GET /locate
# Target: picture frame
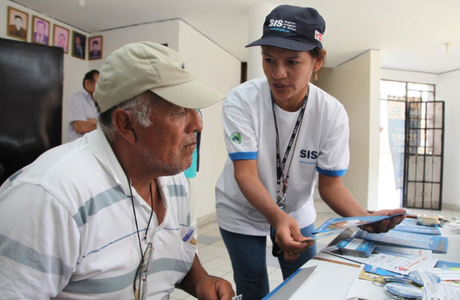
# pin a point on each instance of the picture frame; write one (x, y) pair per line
(95, 47)
(61, 37)
(78, 45)
(17, 24)
(40, 31)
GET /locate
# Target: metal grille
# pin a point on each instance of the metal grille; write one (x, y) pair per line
(423, 154)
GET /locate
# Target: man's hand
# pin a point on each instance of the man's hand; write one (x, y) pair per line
(387, 224)
(289, 238)
(212, 288)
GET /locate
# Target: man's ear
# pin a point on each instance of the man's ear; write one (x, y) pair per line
(87, 82)
(124, 124)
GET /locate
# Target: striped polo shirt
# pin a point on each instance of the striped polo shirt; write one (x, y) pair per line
(67, 228)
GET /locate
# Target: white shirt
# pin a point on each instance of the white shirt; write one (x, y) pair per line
(67, 229)
(81, 108)
(322, 146)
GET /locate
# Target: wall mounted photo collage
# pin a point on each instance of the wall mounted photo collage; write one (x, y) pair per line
(81, 46)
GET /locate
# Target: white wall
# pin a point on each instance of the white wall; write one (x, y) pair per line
(74, 68)
(355, 85)
(416, 77)
(218, 69)
(448, 90)
(166, 32)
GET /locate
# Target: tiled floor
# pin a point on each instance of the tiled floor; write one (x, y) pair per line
(214, 257)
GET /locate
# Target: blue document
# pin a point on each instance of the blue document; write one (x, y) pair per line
(437, 244)
(337, 225)
(410, 225)
(447, 264)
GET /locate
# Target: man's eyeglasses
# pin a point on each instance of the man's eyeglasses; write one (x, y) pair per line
(140, 280)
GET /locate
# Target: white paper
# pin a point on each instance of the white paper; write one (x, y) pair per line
(447, 274)
(442, 291)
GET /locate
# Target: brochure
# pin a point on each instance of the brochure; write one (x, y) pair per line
(410, 225)
(356, 247)
(442, 264)
(399, 264)
(448, 271)
(437, 244)
(337, 225)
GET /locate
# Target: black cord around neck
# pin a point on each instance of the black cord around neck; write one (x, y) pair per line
(135, 217)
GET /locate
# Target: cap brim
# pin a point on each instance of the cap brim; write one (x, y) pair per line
(283, 43)
(191, 94)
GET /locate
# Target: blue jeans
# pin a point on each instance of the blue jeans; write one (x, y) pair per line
(247, 254)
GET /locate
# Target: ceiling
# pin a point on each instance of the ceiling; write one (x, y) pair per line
(410, 34)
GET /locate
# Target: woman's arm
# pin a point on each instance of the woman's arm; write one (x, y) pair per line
(288, 235)
(339, 198)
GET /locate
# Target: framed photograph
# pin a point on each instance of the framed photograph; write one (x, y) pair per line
(17, 23)
(95, 47)
(78, 45)
(40, 31)
(61, 37)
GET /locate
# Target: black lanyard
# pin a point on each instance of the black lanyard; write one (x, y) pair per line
(280, 165)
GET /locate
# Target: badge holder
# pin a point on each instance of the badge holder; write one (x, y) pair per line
(403, 291)
(407, 287)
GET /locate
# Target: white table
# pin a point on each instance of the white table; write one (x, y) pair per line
(337, 279)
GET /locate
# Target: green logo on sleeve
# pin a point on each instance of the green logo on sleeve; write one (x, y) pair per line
(236, 137)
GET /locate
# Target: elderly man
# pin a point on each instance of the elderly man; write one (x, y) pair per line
(106, 216)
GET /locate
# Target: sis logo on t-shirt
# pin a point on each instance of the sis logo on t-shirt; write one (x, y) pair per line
(308, 154)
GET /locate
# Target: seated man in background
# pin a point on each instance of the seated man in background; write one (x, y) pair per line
(107, 216)
(82, 109)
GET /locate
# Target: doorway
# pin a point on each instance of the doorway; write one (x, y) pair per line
(394, 99)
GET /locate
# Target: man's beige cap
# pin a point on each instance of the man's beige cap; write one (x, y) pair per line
(139, 67)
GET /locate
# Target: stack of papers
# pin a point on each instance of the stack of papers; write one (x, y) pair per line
(429, 220)
(356, 247)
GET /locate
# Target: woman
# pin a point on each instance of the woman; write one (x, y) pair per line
(283, 134)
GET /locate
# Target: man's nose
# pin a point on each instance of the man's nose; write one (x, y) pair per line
(196, 120)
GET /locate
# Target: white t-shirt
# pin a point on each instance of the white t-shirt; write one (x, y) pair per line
(322, 147)
(67, 229)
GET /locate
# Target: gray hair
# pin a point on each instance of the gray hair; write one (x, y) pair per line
(139, 107)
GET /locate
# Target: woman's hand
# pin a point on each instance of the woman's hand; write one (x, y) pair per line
(387, 224)
(290, 239)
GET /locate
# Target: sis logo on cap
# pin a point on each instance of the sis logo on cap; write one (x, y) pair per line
(275, 23)
(282, 25)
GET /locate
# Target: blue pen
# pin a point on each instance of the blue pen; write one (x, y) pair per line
(188, 234)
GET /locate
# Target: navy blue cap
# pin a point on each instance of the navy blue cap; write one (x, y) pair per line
(293, 28)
